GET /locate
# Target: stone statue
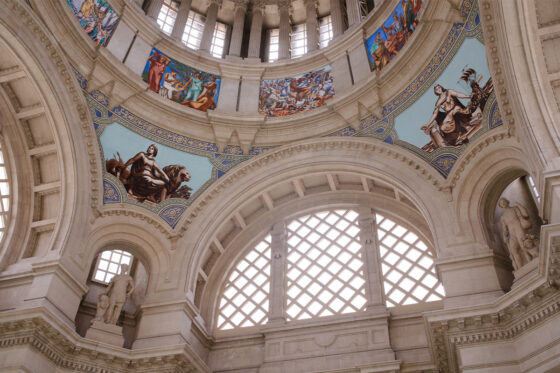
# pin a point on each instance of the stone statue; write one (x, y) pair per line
(522, 246)
(119, 289)
(102, 305)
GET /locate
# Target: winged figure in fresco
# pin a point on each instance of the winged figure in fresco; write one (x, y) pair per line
(146, 181)
(453, 123)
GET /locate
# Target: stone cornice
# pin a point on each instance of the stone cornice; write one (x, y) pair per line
(65, 349)
(530, 302)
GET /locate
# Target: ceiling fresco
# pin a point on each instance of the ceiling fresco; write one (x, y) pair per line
(448, 105)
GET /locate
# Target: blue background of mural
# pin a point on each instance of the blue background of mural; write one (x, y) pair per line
(407, 124)
(116, 138)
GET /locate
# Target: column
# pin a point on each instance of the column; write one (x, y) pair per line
(285, 29)
(210, 25)
(181, 20)
(277, 273)
(311, 25)
(336, 18)
(154, 8)
(256, 30)
(353, 12)
(368, 237)
(238, 25)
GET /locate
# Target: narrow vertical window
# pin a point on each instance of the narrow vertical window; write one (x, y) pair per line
(273, 40)
(218, 40)
(298, 40)
(325, 31)
(534, 189)
(192, 35)
(167, 16)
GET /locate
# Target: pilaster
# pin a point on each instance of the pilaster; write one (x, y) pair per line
(210, 25)
(285, 29)
(311, 25)
(238, 23)
(181, 21)
(256, 30)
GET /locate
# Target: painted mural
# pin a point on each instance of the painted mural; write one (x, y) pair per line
(181, 83)
(96, 17)
(389, 39)
(286, 96)
(151, 172)
(447, 105)
(451, 111)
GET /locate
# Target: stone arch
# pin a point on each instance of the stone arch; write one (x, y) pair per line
(48, 95)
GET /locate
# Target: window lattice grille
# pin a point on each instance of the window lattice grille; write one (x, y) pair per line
(325, 270)
(192, 34)
(245, 298)
(109, 264)
(409, 274)
(167, 16)
(4, 195)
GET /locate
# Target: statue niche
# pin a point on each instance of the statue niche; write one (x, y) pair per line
(103, 326)
(522, 245)
(111, 302)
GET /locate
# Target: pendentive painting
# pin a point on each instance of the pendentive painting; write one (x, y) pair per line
(391, 37)
(451, 112)
(286, 96)
(149, 171)
(96, 17)
(181, 83)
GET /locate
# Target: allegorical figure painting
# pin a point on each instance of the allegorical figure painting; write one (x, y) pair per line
(181, 83)
(286, 96)
(453, 122)
(389, 39)
(144, 180)
(96, 17)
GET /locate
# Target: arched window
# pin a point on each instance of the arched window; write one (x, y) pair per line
(320, 269)
(4, 195)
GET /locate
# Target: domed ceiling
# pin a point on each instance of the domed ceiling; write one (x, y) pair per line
(435, 116)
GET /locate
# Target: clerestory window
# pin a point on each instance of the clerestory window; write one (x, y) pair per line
(325, 31)
(298, 40)
(218, 40)
(192, 35)
(273, 44)
(167, 16)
